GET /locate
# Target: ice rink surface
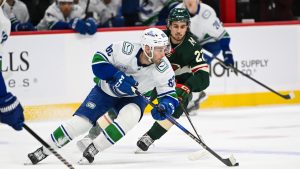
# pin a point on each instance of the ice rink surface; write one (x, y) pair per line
(259, 138)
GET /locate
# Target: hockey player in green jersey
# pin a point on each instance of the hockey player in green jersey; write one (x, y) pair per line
(191, 70)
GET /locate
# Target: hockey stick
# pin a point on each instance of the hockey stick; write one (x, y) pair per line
(86, 11)
(198, 154)
(48, 146)
(289, 96)
(190, 120)
(231, 161)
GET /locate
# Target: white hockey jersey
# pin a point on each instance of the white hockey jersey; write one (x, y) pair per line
(53, 15)
(4, 30)
(150, 8)
(125, 56)
(18, 10)
(206, 25)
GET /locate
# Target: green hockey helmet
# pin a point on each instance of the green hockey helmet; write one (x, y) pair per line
(179, 14)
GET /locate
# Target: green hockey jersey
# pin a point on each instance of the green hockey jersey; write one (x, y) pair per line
(188, 63)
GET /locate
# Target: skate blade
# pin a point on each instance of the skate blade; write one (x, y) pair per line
(83, 161)
(28, 162)
(140, 151)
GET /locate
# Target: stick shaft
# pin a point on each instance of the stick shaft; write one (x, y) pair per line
(287, 96)
(190, 120)
(47, 146)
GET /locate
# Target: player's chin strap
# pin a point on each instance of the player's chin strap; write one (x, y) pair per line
(231, 161)
(152, 54)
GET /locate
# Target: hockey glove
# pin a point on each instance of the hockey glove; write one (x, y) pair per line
(123, 82)
(26, 27)
(182, 92)
(228, 58)
(162, 110)
(79, 26)
(91, 26)
(207, 58)
(11, 112)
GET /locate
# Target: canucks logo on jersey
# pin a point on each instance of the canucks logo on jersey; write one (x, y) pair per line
(127, 48)
(162, 66)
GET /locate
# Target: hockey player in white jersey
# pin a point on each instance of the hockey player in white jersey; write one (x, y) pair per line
(64, 14)
(11, 111)
(210, 32)
(212, 36)
(120, 67)
(155, 12)
(104, 11)
(18, 14)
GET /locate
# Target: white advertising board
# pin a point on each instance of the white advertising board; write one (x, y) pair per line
(270, 54)
(56, 68)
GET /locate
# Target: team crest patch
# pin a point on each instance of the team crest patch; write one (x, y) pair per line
(127, 48)
(163, 66)
(206, 14)
(90, 105)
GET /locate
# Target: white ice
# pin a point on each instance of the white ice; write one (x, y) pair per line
(259, 138)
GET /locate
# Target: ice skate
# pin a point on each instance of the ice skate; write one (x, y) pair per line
(36, 156)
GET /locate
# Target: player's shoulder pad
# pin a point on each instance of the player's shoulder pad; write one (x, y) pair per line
(208, 11)
(163, 66)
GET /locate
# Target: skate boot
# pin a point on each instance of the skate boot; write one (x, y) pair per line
(89, 154)
(145, 142)
(193, 106)
(37, 156)
(84, 143)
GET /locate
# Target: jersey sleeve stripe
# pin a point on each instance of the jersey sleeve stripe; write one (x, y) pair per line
(222, 34)
(208, 40)
(51, 24)
(99, 58)
(103, 55)
(200, 67)
(166, 93)
(98, 62)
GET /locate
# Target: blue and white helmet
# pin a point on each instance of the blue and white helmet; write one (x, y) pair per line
(154, 37)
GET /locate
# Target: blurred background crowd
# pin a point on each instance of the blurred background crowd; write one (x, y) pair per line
(86, 15)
